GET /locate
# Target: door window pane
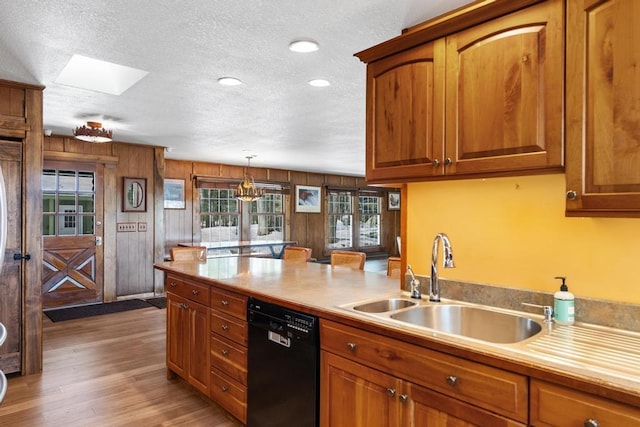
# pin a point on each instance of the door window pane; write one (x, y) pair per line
(66, 225)
(67, 181)
(49, 180)
(85, 203)
(87, 224)
(48, 225)
(85, 182)
(48, 202)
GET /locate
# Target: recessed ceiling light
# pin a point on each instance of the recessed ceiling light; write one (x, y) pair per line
(319, 83)
(303, 46)
(229, 81)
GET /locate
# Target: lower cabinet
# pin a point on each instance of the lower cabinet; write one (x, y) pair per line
(372, 380)
(553, 405)
(187, 328)
(355, 395)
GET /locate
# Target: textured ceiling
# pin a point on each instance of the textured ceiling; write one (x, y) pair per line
(186, 45)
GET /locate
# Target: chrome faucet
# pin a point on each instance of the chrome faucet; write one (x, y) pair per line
(434, 286)
(415, 284)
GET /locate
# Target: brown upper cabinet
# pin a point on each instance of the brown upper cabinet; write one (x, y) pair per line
(485, 100)
(603, 108)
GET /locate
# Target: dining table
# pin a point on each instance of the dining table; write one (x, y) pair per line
(276, 247)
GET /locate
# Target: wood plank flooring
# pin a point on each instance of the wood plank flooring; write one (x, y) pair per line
(107, 371)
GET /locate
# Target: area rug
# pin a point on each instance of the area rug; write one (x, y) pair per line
(62, 314)
(160, 302)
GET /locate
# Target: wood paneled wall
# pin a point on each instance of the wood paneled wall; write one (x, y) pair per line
(306, 228)
(129, 256)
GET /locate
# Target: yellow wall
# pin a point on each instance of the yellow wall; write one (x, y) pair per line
(512, 232)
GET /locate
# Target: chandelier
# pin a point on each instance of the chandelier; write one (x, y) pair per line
(247, 190)
(93, 132)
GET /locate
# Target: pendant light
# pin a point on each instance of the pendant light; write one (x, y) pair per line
(247, 190)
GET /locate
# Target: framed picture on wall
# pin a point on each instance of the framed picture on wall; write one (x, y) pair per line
(134, 195)
(308, 199)
(394, 201)
(174, 193)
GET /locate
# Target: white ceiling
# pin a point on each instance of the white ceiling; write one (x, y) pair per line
(186, 45)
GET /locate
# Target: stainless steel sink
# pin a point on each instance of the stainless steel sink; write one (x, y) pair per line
(384, 305)
(473, 322)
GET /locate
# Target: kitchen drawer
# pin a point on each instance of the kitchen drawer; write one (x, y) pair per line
(499, 391)
(229, 394)
(229, 303)
(229, 327)
(230, 358)
(193, 291)
(553, 405)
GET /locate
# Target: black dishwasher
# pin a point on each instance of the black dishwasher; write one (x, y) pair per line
(283, 370)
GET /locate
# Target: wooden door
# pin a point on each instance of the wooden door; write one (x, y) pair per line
(355, 395)
(11, 276)
(504, 94)
(178, 335)
(199, 339)
(72, 234)
(405, 107)
(603, 108)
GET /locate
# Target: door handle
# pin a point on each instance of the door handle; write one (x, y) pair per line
(18, 257)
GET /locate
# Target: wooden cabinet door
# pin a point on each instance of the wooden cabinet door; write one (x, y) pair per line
(198, 344)
(354, 395)
(405, 96)
(603, 108)
(178, 334)
(427, 408)
(504, 94)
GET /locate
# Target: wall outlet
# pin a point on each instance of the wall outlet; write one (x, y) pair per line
(127, 227)
(142, 226)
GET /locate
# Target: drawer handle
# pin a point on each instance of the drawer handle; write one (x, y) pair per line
(195, 292)
(224, 302)
(351, 346)
(224, 352)
(391, 391)
(452, 380)
(590, 422)
(403, 398)
(183, 306)
(172, 284)
(224, 388)
(224, 327)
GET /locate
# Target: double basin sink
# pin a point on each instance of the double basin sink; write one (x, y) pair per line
(469, 321)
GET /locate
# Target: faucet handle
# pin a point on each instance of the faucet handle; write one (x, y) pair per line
(415, 284)
(546, 309)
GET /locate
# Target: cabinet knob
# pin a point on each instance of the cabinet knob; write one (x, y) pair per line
(403, 398)
(448, 161)
(351, 346)
(224, 352)
(452, 380)
(435, 163)
(224, 388)
(391, 391)
(172, 285)
(590, 422)
(224, 327)
(195, 292)
(572, 195)
(224, 302)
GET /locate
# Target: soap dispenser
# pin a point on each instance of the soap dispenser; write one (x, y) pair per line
(563, 305)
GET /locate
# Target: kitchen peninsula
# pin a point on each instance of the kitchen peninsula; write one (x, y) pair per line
(363, 357)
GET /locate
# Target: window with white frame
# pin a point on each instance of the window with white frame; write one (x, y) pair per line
(369, 210)
(339, 219)
(219, 215)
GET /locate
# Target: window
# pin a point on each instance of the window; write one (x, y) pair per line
(343, 223)
(339, 219)
(369, 207)
(219, 215)
(267, 218)
(68, 202)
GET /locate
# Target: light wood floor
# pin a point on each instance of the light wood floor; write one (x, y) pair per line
(107, 371)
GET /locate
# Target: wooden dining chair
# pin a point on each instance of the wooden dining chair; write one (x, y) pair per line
(297, 253)
(348, 259)
(394, 266)
(188, 253)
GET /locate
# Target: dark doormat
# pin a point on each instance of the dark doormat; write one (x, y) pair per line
(79, 312)
(160, 302)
